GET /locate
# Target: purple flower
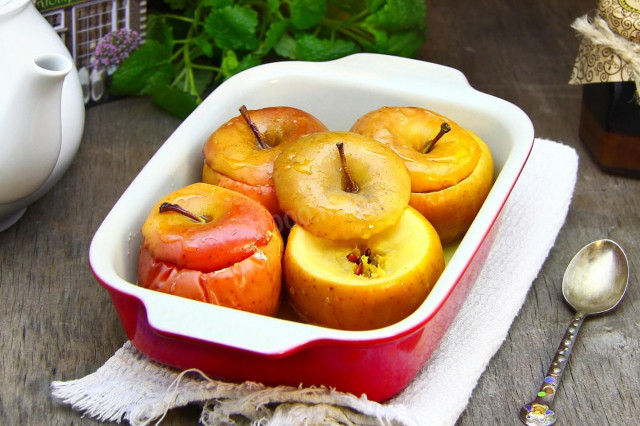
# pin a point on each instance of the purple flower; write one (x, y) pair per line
(114, 48)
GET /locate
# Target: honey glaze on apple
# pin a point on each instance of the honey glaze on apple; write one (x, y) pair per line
(451, 168)
(312, 186)
(214, 245)
(239, 155)
(360, 254)
(347, 261)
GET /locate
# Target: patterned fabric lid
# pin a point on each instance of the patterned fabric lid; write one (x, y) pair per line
(610, 48)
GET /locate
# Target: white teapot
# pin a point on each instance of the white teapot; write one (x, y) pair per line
(41, 108)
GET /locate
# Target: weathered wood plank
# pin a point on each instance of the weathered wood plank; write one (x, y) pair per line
(58, 324)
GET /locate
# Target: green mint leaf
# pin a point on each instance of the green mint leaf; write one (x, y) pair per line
(224, 37)
(274, 6)
(286, 47)
(231, 65)
(248, 61)
(406, 43)
(398, 15)
(178, 29)
(399, 43)
(149, 61)
(217, 4)
(154, 81)
(307, 14)
(375, 5)
(202, 78)
(312, 48)
(273, 35)
(380, 42)
(337, 8)
(205, 46)
(233, 27)
(174, 101)
(158, 30)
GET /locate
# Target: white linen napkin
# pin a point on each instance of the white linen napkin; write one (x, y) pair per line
(131, 387)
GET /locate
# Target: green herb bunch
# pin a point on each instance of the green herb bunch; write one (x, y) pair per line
(192, 46)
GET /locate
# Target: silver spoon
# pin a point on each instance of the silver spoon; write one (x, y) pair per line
(595, 282)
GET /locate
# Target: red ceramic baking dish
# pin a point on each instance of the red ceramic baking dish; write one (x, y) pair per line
(237, 346)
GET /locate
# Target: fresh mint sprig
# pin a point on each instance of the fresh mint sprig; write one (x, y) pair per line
(192, 46)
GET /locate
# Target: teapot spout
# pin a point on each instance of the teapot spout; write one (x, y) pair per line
(32, 126)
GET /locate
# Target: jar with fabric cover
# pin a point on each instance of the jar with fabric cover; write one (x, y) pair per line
(608, 67)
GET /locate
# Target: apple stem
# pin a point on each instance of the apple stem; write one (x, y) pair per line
(444, 128)
(254, 129)
(351, 186)
(170, 207)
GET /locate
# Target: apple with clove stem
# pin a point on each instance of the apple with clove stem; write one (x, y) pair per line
(215, 245)
(363, 284)
(451, 168)
(240, 154)
(341, 185)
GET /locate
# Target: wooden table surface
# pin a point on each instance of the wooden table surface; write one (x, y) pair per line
(59, 324)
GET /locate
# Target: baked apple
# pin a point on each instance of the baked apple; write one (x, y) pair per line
(239, 155)
(363, 284)
(451, 168)
(341, 185)
(211, 244)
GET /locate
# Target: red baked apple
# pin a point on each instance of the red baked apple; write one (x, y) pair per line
(240, 154)
(211, 244)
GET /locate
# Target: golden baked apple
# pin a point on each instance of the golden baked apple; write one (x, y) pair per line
(451, 168)
(211, 244)
(239, 155)
(363, 284)
(341, 185)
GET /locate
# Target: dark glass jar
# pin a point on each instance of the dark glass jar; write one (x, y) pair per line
(610, 126)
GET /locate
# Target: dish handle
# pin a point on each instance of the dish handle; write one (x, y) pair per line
(402, 69)
(219, 326)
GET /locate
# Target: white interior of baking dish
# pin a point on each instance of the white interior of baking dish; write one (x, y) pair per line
(337, 93)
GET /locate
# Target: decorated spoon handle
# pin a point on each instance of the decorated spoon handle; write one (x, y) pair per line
(539, 411)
